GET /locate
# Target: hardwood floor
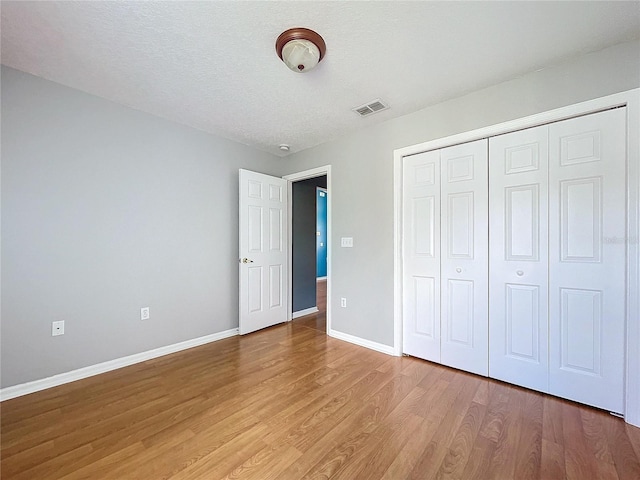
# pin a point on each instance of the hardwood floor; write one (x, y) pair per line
(291, 403)
(317, 320)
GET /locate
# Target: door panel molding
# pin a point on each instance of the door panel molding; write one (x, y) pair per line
(587, 279)
(422, 246)
(464, 272)
(519, 262)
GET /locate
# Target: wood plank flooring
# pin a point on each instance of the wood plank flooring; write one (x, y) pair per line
(291, 403)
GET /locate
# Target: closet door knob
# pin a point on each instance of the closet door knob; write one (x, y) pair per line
(520, 273)
(459, 270)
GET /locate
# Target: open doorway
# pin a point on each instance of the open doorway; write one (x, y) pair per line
(310, 249)
(308, 245)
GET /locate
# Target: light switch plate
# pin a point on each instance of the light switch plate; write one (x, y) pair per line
(346, 242)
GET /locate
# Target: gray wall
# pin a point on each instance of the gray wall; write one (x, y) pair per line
(105, 210)
(362, 172)
(304, 242)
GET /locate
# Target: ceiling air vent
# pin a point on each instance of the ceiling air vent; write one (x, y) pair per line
(370, 108)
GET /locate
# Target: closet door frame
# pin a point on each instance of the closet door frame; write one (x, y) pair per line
(629, 99)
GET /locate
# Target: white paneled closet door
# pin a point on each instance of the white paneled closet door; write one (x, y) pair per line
(464, 257)
(518, 253)
(587, 214)
(445, 260)
(557, 258)
(421, 255)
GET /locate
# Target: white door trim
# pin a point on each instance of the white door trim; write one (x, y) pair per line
(630, 99)
(296, 177)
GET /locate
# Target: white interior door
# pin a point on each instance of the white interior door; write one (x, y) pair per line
(464, 259)
(518, 258)
(263, 251)
(421, 255)
(587, 264)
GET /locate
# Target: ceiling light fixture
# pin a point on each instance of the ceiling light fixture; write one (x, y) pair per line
(300, 49)
(284, 147)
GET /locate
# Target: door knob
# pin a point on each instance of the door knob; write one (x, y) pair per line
(459, 270)
(520, 273)
(246, 260)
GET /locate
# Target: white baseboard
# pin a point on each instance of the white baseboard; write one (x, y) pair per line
(302, 313)
(67, 377)
(378, 347)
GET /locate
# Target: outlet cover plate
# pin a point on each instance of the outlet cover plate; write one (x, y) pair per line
(144, 313)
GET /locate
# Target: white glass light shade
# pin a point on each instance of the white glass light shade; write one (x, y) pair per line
(300, 55)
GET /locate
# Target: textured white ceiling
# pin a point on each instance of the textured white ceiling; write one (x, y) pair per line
(212, 65)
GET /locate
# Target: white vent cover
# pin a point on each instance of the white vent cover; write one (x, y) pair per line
(371, 107)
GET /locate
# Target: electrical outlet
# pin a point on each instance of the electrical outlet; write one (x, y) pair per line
(57, 328)
(144, 313)
(343, 302)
